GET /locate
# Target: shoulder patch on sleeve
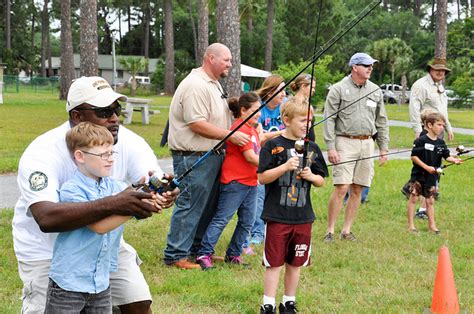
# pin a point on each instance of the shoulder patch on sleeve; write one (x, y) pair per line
(277, 150)
(38, 181)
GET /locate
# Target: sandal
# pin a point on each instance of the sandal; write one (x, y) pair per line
(414, 231)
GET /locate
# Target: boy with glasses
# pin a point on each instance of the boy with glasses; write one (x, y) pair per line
(83, 258)
(44, 167)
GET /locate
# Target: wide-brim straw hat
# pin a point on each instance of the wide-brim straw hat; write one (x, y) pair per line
(438, 64)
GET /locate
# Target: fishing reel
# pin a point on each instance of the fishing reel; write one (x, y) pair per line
(439, 171)
(158, 184)
(299, 148)
(461, 150)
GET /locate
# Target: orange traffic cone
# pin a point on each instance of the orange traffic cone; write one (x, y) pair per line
(445, 299)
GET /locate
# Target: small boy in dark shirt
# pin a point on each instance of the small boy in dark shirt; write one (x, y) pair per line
(427, 154)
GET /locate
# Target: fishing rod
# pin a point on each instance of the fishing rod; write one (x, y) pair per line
(160, 184)
(308, 114)
(369, 157)
(461, 151)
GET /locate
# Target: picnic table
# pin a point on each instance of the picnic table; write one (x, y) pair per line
(137, 104)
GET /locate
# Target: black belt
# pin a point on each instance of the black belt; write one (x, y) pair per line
(193, 153)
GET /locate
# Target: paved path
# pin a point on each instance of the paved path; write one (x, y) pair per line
(9, 191)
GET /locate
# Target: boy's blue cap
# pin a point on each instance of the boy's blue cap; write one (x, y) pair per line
(361, 58)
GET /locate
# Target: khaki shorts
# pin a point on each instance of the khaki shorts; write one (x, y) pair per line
(358, 172)
(127, 284)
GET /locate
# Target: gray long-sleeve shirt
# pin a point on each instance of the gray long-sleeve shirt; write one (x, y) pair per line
(425, 95)
(365, 117)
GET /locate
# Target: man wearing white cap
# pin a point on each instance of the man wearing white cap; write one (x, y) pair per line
(46, 164)
(355, 113)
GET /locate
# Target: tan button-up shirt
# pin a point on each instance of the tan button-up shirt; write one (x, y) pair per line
(364, 117)
(425, 94)
(197, 98)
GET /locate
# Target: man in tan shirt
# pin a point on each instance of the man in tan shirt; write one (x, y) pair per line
(428, 92)
(199, 118)
(349, 136)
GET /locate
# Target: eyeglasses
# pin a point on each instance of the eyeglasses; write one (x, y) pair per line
(365, 65)
(104, 113)
(103, 156)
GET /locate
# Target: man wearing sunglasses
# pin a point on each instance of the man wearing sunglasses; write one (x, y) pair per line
(355, 112)
(46, 164)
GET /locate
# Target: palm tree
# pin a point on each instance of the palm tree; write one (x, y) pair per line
(133, 65)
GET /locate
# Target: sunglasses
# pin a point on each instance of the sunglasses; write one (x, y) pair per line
(365, 65)
(104, 113)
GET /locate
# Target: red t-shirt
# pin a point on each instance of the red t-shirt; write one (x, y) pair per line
(235, 166)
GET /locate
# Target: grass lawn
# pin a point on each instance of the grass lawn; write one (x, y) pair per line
(387, 270)
(26, 115)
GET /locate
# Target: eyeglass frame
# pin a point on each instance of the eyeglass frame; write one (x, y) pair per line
(103, 156)
(109, 111)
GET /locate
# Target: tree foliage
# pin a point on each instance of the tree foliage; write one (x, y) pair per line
(293, 33)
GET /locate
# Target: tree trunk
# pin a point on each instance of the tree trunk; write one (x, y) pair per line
(67, 73)
(441, 28)
(417, 8)
(44, 36)
(193, 27)
(472, 8)
(459, 9)
(32, 41)
(385, 5)
(8, 32)
(228, 33)
(88, 43)
(146, 40)
(269, 38)
(169, 48)
(432, 18)
(203, 30)
(48, 56)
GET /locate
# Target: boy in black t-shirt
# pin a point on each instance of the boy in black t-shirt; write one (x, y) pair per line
(428, 151)
(287, 211)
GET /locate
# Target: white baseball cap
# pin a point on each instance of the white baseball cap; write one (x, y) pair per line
(93, 90)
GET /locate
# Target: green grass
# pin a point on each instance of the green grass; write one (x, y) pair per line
(26, 115)
(388, 270)
(459, 117)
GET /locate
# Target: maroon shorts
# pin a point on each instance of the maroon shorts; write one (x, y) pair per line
(285, 243)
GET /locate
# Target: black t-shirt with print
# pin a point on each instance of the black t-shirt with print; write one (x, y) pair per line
(431, 152)
(287, 199)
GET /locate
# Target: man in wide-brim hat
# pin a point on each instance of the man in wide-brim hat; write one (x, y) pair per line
(429, 93)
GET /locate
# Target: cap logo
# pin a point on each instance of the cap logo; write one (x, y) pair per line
(101, 84)
(38, 181)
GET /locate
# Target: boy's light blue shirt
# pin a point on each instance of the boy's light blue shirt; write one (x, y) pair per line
(83, 259)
